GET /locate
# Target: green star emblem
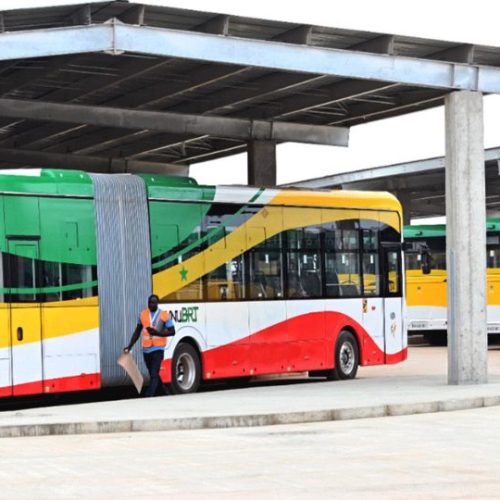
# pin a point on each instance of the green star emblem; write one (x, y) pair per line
(183, 272)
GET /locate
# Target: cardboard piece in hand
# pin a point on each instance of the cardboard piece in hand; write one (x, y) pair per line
(126, 361)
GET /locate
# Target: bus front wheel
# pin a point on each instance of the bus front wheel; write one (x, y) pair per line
(346, 357)
(186, 369)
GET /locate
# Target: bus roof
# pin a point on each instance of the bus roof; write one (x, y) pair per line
(437, 230)
(79, 183)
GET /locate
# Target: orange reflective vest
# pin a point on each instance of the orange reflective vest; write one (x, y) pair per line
(158, 319)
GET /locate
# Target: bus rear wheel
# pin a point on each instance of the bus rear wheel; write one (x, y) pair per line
(186, 369)
(346, 357)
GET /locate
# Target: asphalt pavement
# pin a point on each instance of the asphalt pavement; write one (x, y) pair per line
(416, 386)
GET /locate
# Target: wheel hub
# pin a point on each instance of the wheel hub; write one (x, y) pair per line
(346, 357)
(185, 371)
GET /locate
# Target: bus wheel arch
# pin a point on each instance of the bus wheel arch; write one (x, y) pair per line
(186, 367)
(346, 354)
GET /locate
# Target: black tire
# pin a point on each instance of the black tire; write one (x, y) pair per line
(346, 357)
(186, 370)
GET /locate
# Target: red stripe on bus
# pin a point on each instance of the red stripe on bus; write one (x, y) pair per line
(82, 382)
(397, 357)
(288, 346)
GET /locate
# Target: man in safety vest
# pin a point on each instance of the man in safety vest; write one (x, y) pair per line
(154, 326)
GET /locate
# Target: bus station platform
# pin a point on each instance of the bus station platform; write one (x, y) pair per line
(416, 386)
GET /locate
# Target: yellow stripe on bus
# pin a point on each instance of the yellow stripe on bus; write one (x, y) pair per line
(50, 320)
(269, 221)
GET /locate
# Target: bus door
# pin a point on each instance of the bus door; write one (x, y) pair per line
(25, 316)
(373, 297)
(393, 303)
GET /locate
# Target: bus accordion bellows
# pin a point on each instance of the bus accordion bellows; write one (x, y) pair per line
(259, 281)
(427, 291)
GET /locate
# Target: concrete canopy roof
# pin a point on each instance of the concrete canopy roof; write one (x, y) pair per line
(126, 86)
(419, 184)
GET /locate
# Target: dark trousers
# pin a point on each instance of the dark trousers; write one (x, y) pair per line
(153, 362)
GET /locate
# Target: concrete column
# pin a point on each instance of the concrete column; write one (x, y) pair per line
(262, 163)
(405, 199)
(466, 239)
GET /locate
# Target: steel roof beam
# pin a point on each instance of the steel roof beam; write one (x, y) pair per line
(290, 57)
(377, 173)
(177, 123)
(57, 41)
(117, 38)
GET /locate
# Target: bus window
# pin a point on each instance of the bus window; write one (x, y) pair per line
(341, 260)
(224, 229)
(332, 285)
(346, 267)
(51, 280)
(493, 251)
(494, 257)
(304, 263)
(76, 274)
(413, 261)
(371, 274)
(226, 282)
(266, 280)
(371, 267)
(21, 275)
(393, 273)
(437, 247)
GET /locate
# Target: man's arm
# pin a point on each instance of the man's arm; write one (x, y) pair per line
(135, 337)
(168, 329)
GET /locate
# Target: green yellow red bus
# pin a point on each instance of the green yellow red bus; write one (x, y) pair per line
(427, 293)
(259, 281)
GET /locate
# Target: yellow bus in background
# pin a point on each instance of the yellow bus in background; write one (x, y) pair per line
(427, 292)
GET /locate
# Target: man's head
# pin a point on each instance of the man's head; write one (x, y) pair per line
(153, 302)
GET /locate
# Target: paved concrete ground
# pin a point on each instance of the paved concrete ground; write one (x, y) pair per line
(417, 386)
(438, 455)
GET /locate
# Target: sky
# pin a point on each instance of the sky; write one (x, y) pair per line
(411, 137)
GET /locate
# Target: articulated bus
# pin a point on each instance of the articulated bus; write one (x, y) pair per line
(427, 293)
(259, 281)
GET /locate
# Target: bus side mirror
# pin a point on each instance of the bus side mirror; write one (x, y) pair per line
(426, 262)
